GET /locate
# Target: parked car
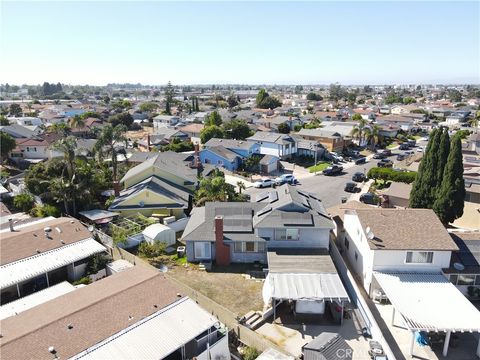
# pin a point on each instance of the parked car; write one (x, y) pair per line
(360, 160)
(358, 177)
(285, 178)
(425, 138)
(420, 149)
(404, 146)
(385, 163)
(263, 183)
(333, 170)
(387, 152)
(401, 157)
(351, 187)
(369, 198)
(337, 157)
(379, 156)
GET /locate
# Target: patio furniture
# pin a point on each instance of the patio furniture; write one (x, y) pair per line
(379, 296)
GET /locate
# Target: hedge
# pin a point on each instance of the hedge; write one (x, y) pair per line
(388, 174)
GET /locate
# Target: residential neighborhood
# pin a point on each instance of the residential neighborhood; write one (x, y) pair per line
(182, 204)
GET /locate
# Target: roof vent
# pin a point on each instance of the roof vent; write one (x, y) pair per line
(58, 230)
(179, 295)
(38, 251)
(72, 222)
(47, 229)
(370, 234)
(130, 317)
(63, 242)
(69, 326)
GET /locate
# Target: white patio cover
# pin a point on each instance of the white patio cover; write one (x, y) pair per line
(303, 287)
(429, 301)
(28, 268)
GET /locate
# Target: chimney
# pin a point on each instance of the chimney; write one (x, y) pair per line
(116, 188)
(10, 223)
(148, 142)
(222, 251)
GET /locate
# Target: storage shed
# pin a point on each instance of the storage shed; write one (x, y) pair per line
(159, 232)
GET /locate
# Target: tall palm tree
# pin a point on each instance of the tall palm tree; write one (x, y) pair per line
(77, 122)
(241, 186)
(107, 142)
(372, 135)
(358, 130)
(65, 189)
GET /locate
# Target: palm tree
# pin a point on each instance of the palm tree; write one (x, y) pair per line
(358, 130)
(77, 122)
(67, 146)
(241, 186)
(372, 135)
(109, 138)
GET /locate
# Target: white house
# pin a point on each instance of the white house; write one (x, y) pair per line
(25, 121)
(276, 144)
(165, 120)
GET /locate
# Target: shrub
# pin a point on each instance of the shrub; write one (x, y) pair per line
(45, 210)
(83, 281)
(388, 174)
(24, 202)
(250, 353)
(148, 250)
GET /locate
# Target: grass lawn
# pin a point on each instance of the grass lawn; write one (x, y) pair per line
(417, 137)
(392, 145)
(229, 289)
(319, 167)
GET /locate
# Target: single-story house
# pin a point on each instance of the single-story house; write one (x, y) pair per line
(398, 194)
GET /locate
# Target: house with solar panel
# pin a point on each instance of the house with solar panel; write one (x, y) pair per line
(43, 253)
(286, 229)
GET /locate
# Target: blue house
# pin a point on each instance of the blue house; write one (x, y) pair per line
(228, 153)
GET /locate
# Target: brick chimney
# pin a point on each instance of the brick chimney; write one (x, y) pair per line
(222, 251)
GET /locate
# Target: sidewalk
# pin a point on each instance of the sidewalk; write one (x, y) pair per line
(363, 190)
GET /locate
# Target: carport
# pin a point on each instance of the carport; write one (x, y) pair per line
(302, 275)
(429, 302)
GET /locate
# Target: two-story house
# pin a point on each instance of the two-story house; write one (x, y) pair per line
(228, 153)
(280, 145)
(165, 120)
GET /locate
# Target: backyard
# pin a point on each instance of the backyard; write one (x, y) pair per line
(228, 288)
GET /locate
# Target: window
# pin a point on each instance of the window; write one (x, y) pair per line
(261, 248)
(292, 234)
(280, 234)
(419, 257)
(347, 244)
(28, 149)
(465, 279)
(202, 250)
(249, 246)
(238, 246)
(453, 279)
(356, 256)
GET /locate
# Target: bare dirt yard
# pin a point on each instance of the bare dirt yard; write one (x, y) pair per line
(228, 287)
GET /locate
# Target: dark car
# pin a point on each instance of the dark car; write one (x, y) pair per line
(351, 187)
(412, 142)
(333, 170)
(379, 156)
(369, 198)
(385, 163)
(387, 152)
(404, 146)
(360, 160)
(358, 177)
(401, 157)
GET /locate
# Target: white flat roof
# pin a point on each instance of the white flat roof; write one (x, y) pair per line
(155, 336)
(428, 301)
(28, 268)
(30, 301)
(304, 286)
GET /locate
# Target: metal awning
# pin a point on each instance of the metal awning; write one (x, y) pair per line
(28, 268)
(429, 302)
(98, 215)
(304, 287)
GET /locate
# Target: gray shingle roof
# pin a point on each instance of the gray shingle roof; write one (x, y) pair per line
(327, 346)
(17, 130)
(223, 152)
(271, 137)
(230, 143)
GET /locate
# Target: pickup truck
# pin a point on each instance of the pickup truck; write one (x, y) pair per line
(333, 170)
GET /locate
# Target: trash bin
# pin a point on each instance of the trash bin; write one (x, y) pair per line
(344, 199)
(181, 251)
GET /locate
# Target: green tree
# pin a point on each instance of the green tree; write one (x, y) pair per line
(107, 143)
(15, 110)
(409, 100)
(209, 132)
(7, 144)
(241, 186)
(455, 95)
(283, 128)
(24, 202)
(77, 122)
(44, 211)
(232, 101)
(214, 189)
(148, 106)
(372, 135)
(311, 96)
(4, 121)
(358, 130)
(237, 129)
(356, 117)
(426, 184)
(213, 119)
(443, 151)
(123, 118)
(265, 101)
(451, 196)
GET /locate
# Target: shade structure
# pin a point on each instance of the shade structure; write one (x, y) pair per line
(428, 301)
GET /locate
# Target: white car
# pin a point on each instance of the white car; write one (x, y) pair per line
(420, 149)
(263, 183)
(285, 178)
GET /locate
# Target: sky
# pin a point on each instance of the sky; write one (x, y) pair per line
(230, 42)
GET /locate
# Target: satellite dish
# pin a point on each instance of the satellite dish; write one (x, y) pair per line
(370, 234)
(163, 268)
(458, 266)
(90, 228)
(141, 203)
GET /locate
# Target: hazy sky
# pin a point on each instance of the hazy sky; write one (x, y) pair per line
(232, 42)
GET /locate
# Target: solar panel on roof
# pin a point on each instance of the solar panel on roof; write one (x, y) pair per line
(264, 211)
(294, 218)
(237, 225)
(272, 196)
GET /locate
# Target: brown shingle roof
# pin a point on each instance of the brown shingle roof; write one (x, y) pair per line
(24, 242)
(337, 211)
(95, 312)
(405, 229)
